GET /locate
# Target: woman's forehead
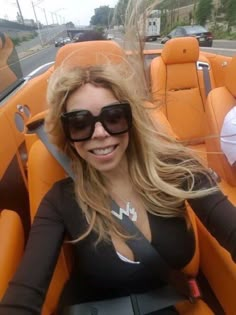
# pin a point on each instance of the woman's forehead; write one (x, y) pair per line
(90, 97)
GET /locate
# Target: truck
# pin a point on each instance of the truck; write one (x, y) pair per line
(153, 26)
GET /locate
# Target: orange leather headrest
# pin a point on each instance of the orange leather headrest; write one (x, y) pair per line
(180, 50)
(230, 77)
(89, 53)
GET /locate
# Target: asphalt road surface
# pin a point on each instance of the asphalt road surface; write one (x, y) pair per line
(227, 48)
(32, 62)
(46, 55)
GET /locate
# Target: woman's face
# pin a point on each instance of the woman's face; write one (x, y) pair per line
(103, 151)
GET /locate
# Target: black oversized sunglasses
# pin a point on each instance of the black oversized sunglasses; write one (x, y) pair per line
(79, 125)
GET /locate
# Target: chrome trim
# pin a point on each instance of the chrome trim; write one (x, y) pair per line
(39, 69)
(201, 64)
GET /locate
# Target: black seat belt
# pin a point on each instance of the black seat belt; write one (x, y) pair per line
(205, 67)
(180, 287)
(150, 257)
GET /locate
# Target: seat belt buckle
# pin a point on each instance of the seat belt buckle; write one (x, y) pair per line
(194, 290)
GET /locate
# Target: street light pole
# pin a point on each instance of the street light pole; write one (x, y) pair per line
(45, 16)
(19, 9)
(37, 22)
(52, 18)
(56, 14)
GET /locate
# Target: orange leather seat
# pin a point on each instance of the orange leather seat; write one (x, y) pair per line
(11, 246)
(219, 103)
(178, 87)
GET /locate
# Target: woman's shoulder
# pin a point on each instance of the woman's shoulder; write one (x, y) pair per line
(60, 202)
(61, 186)
(63, 183)
(60, 193)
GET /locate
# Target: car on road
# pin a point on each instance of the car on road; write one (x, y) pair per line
(204, 37)
(61, 41)
(88, 35)
(66, 40)
(110, 36)
(76, 38)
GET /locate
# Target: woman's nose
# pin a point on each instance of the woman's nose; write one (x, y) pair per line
(99, 131)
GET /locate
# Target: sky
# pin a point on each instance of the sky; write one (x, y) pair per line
(77, 11)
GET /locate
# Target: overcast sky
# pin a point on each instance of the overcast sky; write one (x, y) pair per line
(77, 11)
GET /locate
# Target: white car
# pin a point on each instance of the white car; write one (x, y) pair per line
(110, 36)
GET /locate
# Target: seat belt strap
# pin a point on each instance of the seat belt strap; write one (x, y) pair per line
(141, 247)
(205, 67)
(148, 255)
(38, 128)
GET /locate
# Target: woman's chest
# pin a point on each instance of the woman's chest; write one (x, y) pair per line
(170, 237)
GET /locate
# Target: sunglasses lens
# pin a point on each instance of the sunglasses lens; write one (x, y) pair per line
(116, 119)
(79, 127)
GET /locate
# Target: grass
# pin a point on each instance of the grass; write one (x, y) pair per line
(17, 40)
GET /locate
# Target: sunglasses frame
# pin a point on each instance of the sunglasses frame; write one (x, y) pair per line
(65, 118)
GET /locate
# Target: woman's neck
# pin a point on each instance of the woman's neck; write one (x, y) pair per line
(119, 177)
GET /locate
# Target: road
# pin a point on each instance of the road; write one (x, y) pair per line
(32, 62)
(45, 36)
(46, 55)
(221, 47)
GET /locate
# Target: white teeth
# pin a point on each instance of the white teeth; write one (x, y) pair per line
(103, 151)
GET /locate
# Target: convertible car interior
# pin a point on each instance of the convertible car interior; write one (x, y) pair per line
(192, 90)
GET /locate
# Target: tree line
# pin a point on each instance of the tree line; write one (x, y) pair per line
(203, 11)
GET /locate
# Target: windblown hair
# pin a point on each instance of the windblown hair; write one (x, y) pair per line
(162, 171)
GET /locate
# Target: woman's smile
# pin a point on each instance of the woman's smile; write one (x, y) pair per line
(104, 151)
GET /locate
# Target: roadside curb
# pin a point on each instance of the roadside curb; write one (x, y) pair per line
(31, 51)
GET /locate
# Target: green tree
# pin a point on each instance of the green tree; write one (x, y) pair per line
(103, 16)
(230, 11)
(203, 12)
(164, 24)
(70, 25)
(120, 10)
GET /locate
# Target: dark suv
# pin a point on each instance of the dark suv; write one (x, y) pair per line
(203, 36)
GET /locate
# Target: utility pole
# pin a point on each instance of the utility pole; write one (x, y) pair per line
(19, 9)
(37, 22)
(52, 18)
(45, 16)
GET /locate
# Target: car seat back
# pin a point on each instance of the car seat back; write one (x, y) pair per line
(89, 53)
(178, 87)
(11, 246)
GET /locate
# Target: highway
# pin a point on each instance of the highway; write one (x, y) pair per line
(221, 47)
(32, 62)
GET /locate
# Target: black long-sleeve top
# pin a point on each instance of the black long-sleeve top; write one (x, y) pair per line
(99, 272)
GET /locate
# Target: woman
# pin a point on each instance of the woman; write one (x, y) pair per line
(96, 116)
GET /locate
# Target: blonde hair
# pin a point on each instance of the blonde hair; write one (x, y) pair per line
(161, 170)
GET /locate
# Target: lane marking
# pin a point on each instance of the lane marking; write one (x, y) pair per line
(34, 53)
